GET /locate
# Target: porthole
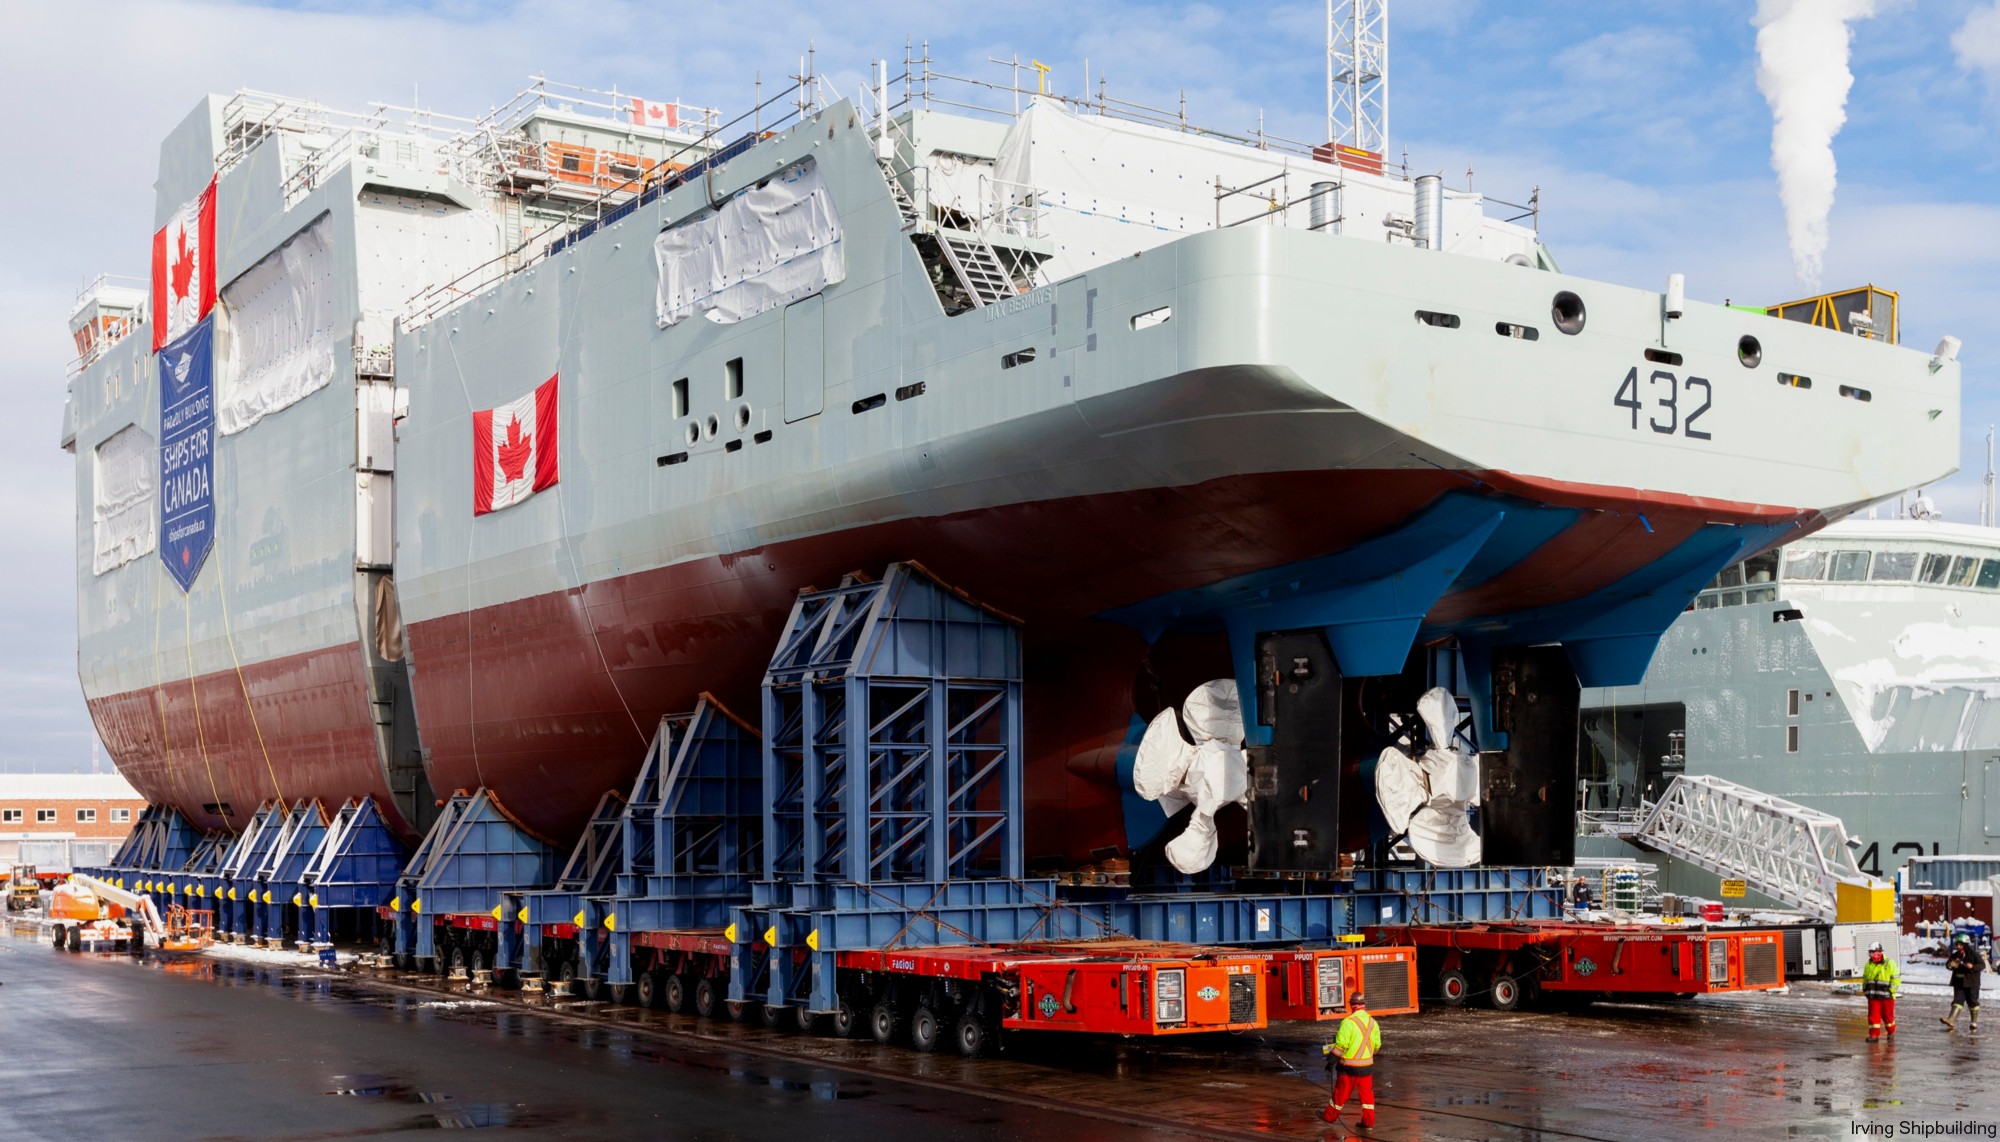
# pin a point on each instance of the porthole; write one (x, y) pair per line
(714, 427)
(693, 433)
(1750, 351)
(1567, 313)
(742, 417)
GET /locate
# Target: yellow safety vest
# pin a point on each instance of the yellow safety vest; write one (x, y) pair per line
(1358, 1039)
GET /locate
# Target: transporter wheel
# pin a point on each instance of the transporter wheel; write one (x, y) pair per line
(596, 990)
(970, 1035)
(846, 1022)
(926, 1029)
(1506, 993)
(739, 1009)
(648, 987)
(479, 960)
(62, 938)
(707, 997)
(455, 963)
(568, 977)
(620, 993)
(772, 1014)
(76, 938)
(883, 1022)
(673, 992)
(1453, 988)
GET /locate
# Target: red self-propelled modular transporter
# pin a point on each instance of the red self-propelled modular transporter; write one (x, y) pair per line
(1507, 965)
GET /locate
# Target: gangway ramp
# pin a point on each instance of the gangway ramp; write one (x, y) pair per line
(1797, 856)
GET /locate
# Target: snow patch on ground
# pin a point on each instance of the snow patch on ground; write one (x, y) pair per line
(269, 957)
(456, 1004)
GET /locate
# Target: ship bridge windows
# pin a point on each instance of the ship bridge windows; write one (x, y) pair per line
(1894, 566)
(1805, 566)
(1927, 567)
(1989, 574)
(1752, 581)
(1850, 566)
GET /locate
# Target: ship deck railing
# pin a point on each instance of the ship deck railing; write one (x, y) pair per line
(803, 97)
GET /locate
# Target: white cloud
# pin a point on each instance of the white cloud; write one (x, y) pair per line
(1977, 41)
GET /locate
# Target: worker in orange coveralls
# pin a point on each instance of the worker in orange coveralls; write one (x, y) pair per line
(1352, 1054)
(1880, 984)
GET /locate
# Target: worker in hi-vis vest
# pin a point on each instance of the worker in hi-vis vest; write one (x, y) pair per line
(1880, 983)
(1352, 1055)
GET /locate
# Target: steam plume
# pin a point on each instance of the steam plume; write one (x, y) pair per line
(1802, 71)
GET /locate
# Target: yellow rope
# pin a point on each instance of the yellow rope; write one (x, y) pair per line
(229, 637)
(200, 738)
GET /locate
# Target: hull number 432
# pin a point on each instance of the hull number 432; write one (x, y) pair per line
(1667, 402)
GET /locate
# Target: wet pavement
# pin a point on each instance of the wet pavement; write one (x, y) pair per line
(226, 1046)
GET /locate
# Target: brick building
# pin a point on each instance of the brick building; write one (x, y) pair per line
(93, 810)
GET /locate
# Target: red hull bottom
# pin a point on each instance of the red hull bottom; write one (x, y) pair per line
(552, 700)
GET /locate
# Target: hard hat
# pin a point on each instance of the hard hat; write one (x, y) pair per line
(1961, 938)
(1357, 1000)
(1875, 947)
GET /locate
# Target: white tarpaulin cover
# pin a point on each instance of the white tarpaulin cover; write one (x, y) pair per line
(1210, 773)
(768, 246)
(122, 509)
(278, 332)
(1430, 797)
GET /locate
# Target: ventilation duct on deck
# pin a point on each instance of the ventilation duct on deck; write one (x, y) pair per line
(1430, 212)
(1326, 207)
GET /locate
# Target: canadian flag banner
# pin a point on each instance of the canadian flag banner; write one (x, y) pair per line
(184, 269)
(655, 114)
(514, 450)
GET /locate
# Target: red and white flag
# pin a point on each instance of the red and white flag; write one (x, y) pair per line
(184, 269)
(514, 450)
(655, 114)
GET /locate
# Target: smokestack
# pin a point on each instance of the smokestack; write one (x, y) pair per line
(1802, 48)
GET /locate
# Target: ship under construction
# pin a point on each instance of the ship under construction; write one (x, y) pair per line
(530, 430)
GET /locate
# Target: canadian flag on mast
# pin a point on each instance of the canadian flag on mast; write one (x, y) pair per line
(514, 450)
(184, 269)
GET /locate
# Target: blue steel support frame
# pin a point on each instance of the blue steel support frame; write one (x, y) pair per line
(161, 840)
(894, 715)
(283, 871)
(413, 938)
(590, 872)
(234, 884)
(705, 830)
(481, 853)
(354, 867)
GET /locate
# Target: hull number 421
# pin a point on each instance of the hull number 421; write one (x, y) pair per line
(1667, 401)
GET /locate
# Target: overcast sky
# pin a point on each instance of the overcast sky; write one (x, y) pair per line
(1641, 123)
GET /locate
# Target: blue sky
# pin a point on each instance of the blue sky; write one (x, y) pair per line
(1641, 123)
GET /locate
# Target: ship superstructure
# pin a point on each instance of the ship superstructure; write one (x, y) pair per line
(1189, 405)
(1856, 672)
